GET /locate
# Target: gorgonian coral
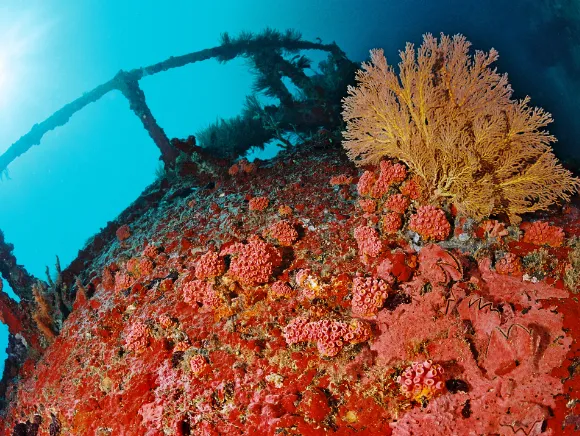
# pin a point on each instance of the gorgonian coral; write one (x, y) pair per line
(450, 118)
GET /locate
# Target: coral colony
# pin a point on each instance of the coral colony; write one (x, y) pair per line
(428, 288)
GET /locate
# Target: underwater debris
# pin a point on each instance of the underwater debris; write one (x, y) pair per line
(196, 325)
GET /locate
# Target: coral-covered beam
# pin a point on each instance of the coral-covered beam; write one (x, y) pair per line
(16, 275)
(225, 52)
(10, 313)
(129, 86)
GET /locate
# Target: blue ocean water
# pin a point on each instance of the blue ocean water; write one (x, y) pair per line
(85, 173)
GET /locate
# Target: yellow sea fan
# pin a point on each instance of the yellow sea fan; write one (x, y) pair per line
(450, 118)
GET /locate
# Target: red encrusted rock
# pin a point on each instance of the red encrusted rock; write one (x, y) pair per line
(430, 223)
(541, 233)
(253, 263)
(342, 179)
(283, 231)
(139, 267)
(314, 405)
(439, 266)
(132, 363)
(368, 296)
(368, 240)
(259, 204)
(123, 233)
(209, 265)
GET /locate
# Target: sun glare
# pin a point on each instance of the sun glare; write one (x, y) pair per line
(20, 42)
(4, 79)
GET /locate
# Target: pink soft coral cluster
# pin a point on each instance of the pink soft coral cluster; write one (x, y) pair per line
(430, 223)
(123, 233)
(421, 380)
(330, 336)
(137, 338)
(541, 233)
(123, 281)
(200, 292)
(283, 231)
(412, 189)
(367, 205)
(397, 203)
(368, 296)
(368, 240)
(258, 204)
(252, 263)
(392, 223)
(242, 167)
(388, 175)
(281, 289)
(139, 267)
(166, 321)
(209, 265)
(510, 264)
(365, 183)
(150, 251)
(198, 365)
(376, 187)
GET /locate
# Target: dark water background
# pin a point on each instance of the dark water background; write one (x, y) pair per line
(84, 174)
